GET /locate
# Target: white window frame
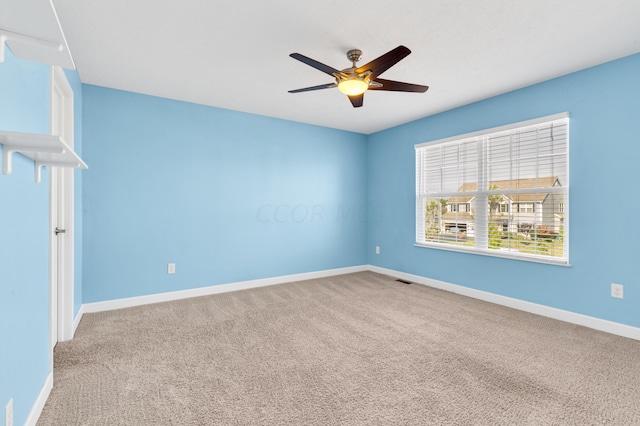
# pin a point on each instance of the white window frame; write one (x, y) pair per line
(483, 193)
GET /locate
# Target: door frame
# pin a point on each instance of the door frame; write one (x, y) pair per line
(61, 203)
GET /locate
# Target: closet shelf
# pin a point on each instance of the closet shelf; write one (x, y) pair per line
(8, 36)
(44, 150)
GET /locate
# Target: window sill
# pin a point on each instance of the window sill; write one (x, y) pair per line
(496, 253)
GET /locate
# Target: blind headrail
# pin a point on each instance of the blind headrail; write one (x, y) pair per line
(495, 130)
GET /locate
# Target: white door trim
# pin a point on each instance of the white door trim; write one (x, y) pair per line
(61, 250)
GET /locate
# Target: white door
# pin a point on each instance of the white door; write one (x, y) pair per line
(61, 215)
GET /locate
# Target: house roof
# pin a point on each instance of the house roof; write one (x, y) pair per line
(457, 216)
(544, 182)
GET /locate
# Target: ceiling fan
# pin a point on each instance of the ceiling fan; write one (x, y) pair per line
(354, 81)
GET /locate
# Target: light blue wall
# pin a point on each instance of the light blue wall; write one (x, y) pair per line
(227, 196)
(604, 103)
(24, 243)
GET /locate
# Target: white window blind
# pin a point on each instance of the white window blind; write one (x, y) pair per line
(515, 180)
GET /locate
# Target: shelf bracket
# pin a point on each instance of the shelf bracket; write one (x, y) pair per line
(40, 164)
(38, 172)
(6, 36)
(7, 159)
(7, 154)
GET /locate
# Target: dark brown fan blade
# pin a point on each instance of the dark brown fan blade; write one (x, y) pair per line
(320, 87)
(315, 64)
(398, 86)
(357, 100)
(384, 62)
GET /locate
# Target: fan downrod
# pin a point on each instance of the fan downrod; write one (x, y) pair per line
(354, 56)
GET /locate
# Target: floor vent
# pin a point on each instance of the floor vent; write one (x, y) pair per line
(403, 281)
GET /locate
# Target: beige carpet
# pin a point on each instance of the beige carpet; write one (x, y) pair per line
(354, 349)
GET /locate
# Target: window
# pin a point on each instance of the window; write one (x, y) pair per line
(462, 207)
(525, 207)
(479, 175)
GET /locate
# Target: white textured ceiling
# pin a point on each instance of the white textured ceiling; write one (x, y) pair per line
(234, 54)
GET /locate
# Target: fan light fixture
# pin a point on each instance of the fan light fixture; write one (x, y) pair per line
(353, 86)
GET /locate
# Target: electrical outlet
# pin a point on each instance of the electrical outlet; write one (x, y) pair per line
(171, 268)
(617, 291)
(8, 413)
(377, 250)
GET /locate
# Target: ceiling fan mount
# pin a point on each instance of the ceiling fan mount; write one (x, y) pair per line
(354, 55)
(356, 80)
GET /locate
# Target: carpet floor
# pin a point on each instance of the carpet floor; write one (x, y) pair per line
(356, 349)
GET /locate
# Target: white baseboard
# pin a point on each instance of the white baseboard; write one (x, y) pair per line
(38, 406)
(216, 289)
(534, 308)
(77, 319)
